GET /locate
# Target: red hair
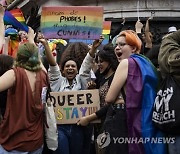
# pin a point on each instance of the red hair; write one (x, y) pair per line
(132, 39)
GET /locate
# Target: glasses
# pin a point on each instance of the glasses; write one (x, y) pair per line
(120, 44)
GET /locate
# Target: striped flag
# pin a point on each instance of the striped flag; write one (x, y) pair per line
(16, 19)
(17, 13)
(141, 86)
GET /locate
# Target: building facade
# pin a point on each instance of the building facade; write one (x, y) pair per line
(165, 13)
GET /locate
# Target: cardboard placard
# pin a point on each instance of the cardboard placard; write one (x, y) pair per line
(72, 22)
(71, 105)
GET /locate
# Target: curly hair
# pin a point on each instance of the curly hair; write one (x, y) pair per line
(75, 51)
(107, 54)
(27, 57)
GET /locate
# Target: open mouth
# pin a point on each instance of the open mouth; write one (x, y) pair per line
(100, 69)
(119, 54)
(70, 73)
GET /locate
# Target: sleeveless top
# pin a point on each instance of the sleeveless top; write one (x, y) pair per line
(22, 126)
(103, 88)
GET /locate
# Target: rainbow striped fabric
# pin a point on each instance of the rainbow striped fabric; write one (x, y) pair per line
(16, 19)
(72, 22)
(141, 89)
(17, 13)
(106, 27)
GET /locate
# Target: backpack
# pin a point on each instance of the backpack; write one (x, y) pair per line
(166, 110)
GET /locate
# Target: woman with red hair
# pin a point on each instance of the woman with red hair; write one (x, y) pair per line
(129, 128)
(136, 77)
(129, 41)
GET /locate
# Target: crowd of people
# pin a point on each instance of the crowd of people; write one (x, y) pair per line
(125, 71)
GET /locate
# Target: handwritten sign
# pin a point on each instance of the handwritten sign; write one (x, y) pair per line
(72, 105)
(105, 41)
(106, 32)
(70, 22)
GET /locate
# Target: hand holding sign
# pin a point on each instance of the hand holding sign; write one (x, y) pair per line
(95, 45)
(98, 42)
(83, 121)
(73, 105)
(91, 85)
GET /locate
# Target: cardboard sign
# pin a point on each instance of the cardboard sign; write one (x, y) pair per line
(68, 22)
(72, 105)
(106, 31)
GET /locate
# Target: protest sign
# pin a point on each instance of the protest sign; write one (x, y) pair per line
(72, 105)
(72, 22)
(106, 32)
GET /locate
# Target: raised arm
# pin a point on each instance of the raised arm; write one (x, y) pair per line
(6, 45)
(95, 45)
(86, 66)
(2, 28)
(148, 38)
(7, 80)
(54, 72)
(138, 26)
(48, 52)
(30, 36)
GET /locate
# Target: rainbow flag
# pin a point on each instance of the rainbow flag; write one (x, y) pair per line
(13, 48)
(9, 18)
(141, 89)
(17, 13)
(106, 27)
(72, 22)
